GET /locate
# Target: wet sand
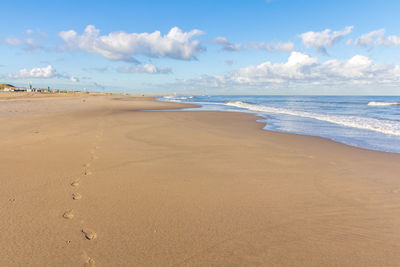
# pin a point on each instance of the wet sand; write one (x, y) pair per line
(96, 180)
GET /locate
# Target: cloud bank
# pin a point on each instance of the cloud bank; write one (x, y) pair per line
(302, 69)
(123, 46)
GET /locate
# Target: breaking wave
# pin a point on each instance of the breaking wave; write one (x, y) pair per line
(383, 103)
(382, 126)
(174, 98)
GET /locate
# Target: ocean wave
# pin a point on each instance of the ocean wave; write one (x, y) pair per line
(174, 98)
(383, 103)
(382, 126)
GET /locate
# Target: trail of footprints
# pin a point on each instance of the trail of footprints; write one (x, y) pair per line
(87, 233)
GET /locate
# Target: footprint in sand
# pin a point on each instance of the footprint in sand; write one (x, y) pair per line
(90, 263)
(89, 233)
(68, 214)
(75, 183)
(87, 172)
(76, 196)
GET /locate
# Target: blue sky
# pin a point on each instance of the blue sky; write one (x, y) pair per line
(214, 47)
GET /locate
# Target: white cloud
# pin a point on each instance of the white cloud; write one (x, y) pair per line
(376, 38)
(146, 68)
(301, 69)
(320, 40)
(32, 41)
(288, 46)
(296, 68)
(41, 73)
(123, 46)
(13, 41)
(392, 40)
(45, 72)
(73, 79)
(96, 69)
(369, 38)
(28, 44)
(36, 32)
(226, 45)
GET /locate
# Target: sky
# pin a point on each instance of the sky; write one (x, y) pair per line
(313, 47)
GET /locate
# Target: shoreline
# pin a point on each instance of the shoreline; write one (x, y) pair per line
(364, 137)
(187, 188)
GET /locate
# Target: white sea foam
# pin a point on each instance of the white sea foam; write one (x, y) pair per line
(174, 98)
(382, 126)
(383, 103)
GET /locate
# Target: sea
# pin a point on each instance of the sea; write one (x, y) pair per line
(371, 122)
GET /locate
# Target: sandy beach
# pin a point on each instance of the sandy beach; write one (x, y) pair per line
(113, 180)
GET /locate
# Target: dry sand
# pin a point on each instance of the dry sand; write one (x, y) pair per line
(159, 188)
